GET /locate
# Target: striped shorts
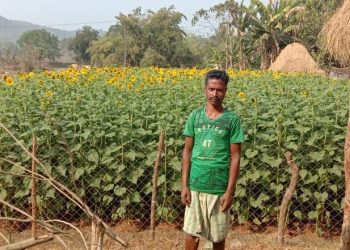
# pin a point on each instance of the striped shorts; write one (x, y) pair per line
(204, 218)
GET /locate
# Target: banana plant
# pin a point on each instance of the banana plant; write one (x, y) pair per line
(271, 26)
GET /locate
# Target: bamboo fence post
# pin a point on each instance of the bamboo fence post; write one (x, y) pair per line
(287, 197)
(345, 234)
(154, 183)
(34, 186)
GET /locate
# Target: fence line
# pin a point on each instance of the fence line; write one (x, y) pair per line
(124, 188)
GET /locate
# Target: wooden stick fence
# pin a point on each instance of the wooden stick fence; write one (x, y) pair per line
(34, 186)
(97, 223)
(154, 183)
(345, 234)
(287, 197)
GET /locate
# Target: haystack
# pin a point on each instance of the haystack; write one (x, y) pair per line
(336, 34)
(295, 58)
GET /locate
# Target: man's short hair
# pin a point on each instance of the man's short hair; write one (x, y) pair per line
(217, 74)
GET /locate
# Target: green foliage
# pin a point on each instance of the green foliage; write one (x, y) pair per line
(243, 36)
(8, 53)
(107, 51)
(317, 12)
(253, 35)
(82, 42)
(36, 46)
(163, 32)
(231, 34)
(41, 40)
(272, 26)
(144, 39)
(152, 58)
(111, 135)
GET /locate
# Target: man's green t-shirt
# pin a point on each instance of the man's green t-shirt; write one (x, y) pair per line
(210, 159)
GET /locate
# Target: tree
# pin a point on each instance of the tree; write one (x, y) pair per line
(272, 26)
(311, 22)
(67, 55)
(233, 22)
(316, 12)
(112, 48)
(185, 55)
(164, 34)
(157, 33)
(196, 53)
(254, 35)
(153, 58)
(36, 46)
(132, 31)
(8, 54)
(106, 51)
(140, 39)
(82, 42)
(221, 53)
(240, 20)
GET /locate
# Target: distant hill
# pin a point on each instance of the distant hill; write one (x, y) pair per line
(11, 30)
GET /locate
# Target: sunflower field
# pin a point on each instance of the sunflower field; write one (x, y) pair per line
(98, 131)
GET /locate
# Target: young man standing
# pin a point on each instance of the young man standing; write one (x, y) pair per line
(210, 165)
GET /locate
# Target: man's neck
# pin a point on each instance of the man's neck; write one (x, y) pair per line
(210, 108)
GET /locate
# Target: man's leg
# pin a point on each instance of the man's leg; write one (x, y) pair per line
(191, 242)
(219, 245)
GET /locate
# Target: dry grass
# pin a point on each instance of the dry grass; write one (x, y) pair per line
(336, 34)
(170, 237)
(295, 58)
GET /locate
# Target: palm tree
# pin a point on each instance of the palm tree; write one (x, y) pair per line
(271, 26)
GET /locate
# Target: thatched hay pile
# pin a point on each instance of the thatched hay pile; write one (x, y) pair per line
(336, 34)
(295, 58)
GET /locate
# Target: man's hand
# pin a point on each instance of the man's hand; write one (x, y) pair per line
(186, 196)
(225, 201)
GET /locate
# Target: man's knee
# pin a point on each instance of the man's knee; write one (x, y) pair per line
(191, 242)
(219, 245)
(192, 238)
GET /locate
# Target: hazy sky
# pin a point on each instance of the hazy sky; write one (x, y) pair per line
(99, 14)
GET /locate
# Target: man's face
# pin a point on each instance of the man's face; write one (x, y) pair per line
(215, 91)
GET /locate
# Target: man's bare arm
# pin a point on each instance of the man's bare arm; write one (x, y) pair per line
(185, 171)
(226, 199)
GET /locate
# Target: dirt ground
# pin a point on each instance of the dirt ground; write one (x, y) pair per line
(171, 237)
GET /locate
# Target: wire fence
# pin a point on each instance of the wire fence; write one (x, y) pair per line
(100, 141)
(114, 179)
